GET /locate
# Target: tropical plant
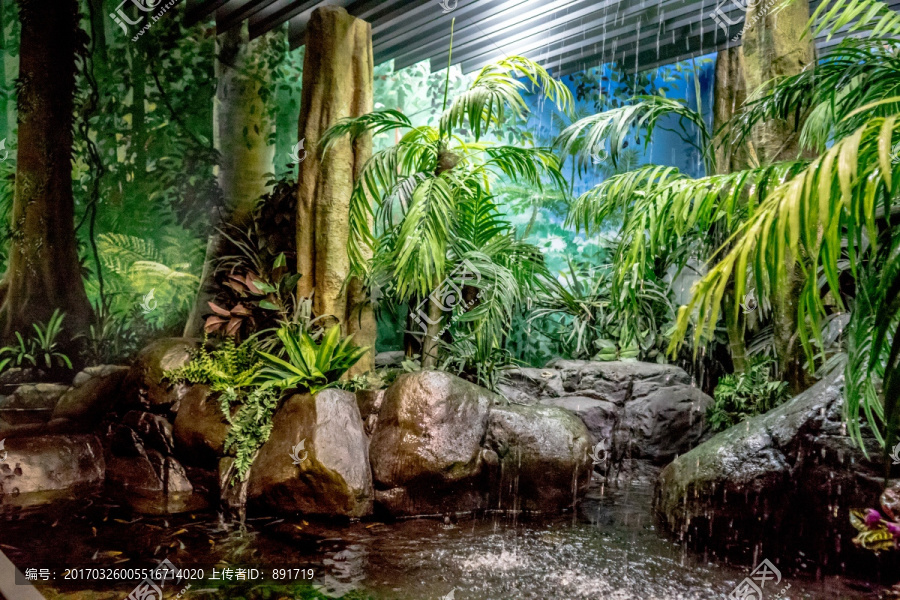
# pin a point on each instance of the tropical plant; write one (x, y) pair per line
(256, 285)
(433, 184)
(875, 531)
(135, 267)
(832, 217)
(307, 365)
(740, 396)
(231, 371)
(18, 355)
(579, 315)
(40, 349)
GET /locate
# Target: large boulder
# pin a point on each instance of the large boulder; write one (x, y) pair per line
(635, 410)
(42, 469)
(200, 428)
(316, 460)
(427, 447)
(145, 384)
(444, 445)
(778, 485)
(141, 471)
(93, 393)
(543, 455)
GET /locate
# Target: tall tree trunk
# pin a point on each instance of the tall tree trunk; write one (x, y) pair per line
(774, 45)
(337, 83)
(4, 103)
(44, 273)
(242, 126)
(729, 95)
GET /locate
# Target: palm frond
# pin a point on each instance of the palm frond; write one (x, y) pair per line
(589, 137)
(870, 15)
(497, 89)
(375, 122)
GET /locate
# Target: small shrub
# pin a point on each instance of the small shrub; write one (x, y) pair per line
(40, 349)
(740, 396)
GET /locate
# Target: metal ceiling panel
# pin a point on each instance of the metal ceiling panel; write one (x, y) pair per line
(564, 35)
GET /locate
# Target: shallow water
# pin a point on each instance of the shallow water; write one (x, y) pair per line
(609, 548)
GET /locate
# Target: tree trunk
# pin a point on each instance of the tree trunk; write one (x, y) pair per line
(44, 273)
(774, 46)
(337, 83)
(729, 95)
(242, 126)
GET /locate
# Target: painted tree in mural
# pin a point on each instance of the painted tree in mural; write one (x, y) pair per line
(44, 273)
(242, 127)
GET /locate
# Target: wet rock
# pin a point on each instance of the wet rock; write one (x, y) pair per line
(333, 475)
(369, 402)
(93, 393)
(780, 484)
(31, 403)
(543, 455)
(152, 483)
(41, 469)
(200, 427)
(600, 416)
(154, 431)
(637, 410)
(662, 423)
(426, 449)
(527, 385)
(144, 384)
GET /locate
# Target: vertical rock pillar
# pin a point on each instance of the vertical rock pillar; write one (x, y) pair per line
(337, 83)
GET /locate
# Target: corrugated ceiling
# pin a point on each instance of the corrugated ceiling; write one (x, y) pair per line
(566, 36)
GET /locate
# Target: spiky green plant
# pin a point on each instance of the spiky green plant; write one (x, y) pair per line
(306, 364)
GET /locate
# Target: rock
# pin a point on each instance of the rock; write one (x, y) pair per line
(526, 385)
(426, 450)
(393, 358)
(544, 458)
(41, 469)
(154, 431)
(144, 384)
(93, 393)
(17, 376)
(664, 422)
(333, 476)
(31, 403)
(200, 428)
(600, 416)
(637, 410)
(779, 484)
(369, 402)
(613, 380)
(152, 483)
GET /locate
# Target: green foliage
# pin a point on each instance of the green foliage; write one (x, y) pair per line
(251, 423)
(581, 317)
(305, 364)
(231, 370)
(39, 349)
(435, 212)
(743, 395)
(114, 339)
(135, 267)
(604, 133)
